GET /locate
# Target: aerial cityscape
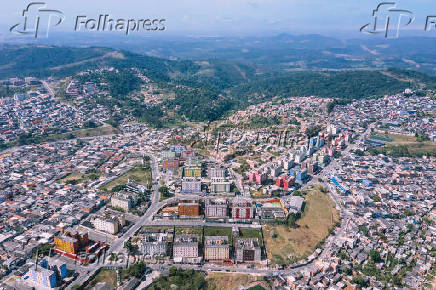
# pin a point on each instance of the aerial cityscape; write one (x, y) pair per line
(282, 161)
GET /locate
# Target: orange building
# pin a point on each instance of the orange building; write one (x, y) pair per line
(189, 208)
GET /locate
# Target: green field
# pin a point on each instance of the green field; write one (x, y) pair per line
(108, 276)
(76, 177)
(139, 174)
(406, 145)
(189, 230)
(215, 231)
(251, 233)
(285, 245)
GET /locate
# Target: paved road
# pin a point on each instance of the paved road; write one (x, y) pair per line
(117, 246)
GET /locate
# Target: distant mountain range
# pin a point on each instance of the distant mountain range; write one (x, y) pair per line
(235, 73)
(282, 52)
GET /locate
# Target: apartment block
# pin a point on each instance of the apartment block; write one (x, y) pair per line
(216, 248)
(247, 250)
(215, 208)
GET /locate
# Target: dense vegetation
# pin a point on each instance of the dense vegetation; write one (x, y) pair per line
(345, 85)
(180, 279)
(203, 91)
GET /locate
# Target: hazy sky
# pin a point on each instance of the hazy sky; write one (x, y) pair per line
(228, 17)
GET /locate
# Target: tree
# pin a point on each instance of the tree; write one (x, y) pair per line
(292, 220)
(375, 256)
(137, 269)
(172, 271)
(360, 280)
(128, 245)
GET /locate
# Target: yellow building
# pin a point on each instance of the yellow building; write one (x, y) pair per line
(192, 172)
(66, 244)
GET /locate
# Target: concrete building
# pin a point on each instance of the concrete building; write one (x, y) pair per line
(123, 200)
(216, 248)
(271, 211)
(192, 168)
(189, 208)
(43, 278)
(66, 244)
(220, 185)
(215, 208)
(170, 164)
(242, 208)
(216, 172)
(154, 244)
(191, 186)
(109, 224)
(293, 203)
(185, 247)
(247, 250)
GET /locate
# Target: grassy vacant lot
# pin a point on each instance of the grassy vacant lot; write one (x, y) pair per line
(108, 276)
(216, 281)
(76, 177)
(106, 129)
(290, 244)
(215, 231)
(157, 228)
(139, 174)
(189, 230)
(414, 147)
(251, 233)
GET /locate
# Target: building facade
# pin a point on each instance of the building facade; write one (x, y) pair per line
(155, 244)
(189, 208)
(216, 248)
(215, 208)
(220, 185)
(242, 208)
(191, 185)
(185, 247)
(247, 250)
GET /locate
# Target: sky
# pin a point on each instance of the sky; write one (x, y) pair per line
(227, 17)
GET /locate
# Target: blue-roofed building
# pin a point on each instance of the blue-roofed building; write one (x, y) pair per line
(367, 182)
(338, 182)
(43, 277)
(177, 148)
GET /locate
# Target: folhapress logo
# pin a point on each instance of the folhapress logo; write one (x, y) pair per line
(37, 20)
(388, 20)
